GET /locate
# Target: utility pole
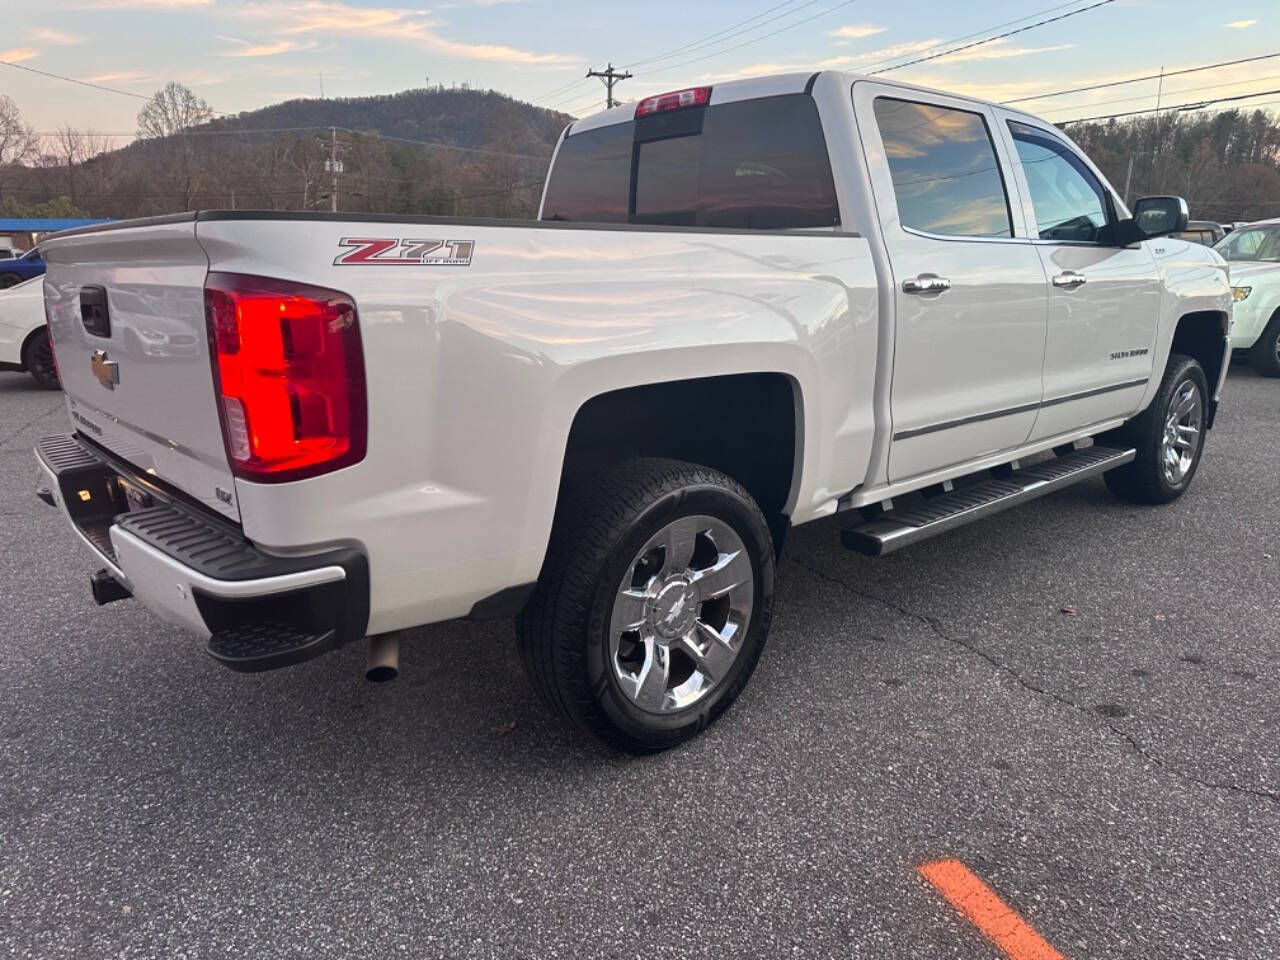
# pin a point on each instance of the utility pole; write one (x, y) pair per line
(610, 76)
(334, 166)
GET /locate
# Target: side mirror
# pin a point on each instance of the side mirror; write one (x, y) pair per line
(1152, 217)
(1157, 216)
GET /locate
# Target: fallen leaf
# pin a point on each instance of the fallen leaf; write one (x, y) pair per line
(1069, 610)
(126, 910)
(502, 729)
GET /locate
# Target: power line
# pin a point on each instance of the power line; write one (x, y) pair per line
(91, 84)
(720, 35)
(1147, 96)
(359, 133)
(992, 39)
(1152, 76)
(551, 93)
(223, 113)
(745, 43)
(184, 133)
(704, 41)
(976, 33)
(1176, 108)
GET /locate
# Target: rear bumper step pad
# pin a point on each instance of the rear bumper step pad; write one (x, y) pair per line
(261, 610)
(267, 645)
(898, 528)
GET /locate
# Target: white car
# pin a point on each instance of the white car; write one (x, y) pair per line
(24, 340)
(746, 307)
(1253, 257)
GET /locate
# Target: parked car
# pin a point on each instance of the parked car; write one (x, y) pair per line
(746, 307)
(24, 339)
(1253, 255)
(19, 268)
(1205, 232)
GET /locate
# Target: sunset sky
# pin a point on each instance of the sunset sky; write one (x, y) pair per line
(244, 54)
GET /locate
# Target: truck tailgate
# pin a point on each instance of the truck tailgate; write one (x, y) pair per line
(126, 311)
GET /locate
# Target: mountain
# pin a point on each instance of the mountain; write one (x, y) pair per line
(458, 116)
(437, 150)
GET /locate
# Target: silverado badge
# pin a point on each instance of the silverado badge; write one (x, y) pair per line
(107, 371)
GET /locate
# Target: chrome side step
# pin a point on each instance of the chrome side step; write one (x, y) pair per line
(898, 528)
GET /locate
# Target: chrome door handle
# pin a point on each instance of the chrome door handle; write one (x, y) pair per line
(1069, 279)
(926, 283)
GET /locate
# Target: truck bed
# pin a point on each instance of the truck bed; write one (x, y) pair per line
(472, 329)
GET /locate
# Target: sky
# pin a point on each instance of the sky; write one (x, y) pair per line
(244, 54)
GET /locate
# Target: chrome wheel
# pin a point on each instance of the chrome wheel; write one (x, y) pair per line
(1182, 432)
(681, 614)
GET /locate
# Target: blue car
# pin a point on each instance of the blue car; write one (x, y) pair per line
(16, 269)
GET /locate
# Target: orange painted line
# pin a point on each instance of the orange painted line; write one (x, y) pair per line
(999, 922)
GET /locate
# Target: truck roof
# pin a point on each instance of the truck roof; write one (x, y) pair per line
(751, 88)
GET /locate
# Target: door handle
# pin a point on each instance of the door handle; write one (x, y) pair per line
(926, 283)
(1069, 279)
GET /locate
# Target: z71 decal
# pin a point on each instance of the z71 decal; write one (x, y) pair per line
(404, 253)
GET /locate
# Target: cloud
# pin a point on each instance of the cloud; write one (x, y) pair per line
(272, 49)
(56, 37)
(856, 31)
(1240, 24)
(998, 51)
(141, 4)
(124, 77)
(902, 49)
(18, 54)
(339, 19)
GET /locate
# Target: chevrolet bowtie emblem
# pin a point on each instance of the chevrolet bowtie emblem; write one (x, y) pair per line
(107, 371)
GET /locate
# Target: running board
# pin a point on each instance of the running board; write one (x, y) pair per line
(898, 528)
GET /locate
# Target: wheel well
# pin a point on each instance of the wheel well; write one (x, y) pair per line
(743, 425)
(1200, 335)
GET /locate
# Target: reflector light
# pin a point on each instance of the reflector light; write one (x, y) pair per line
(48, 327)
(679, 100)
(289, 370)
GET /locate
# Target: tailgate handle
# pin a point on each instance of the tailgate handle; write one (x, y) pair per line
(93, 311)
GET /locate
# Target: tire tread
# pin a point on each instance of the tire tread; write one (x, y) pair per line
(595, 511)
(1141, 481)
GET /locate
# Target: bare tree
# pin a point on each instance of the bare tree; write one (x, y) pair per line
(18, 142)
(172, 111)
(82, 155)
(168, 121)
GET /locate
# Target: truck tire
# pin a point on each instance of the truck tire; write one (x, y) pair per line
(1265, 354)
(1168, 435)
(37, 358)
(654, 602)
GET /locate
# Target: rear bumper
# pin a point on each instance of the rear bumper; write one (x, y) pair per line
(193, 570)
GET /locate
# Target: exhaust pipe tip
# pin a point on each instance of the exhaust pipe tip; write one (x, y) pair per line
(382, 664)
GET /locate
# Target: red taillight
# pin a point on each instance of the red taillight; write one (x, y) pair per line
(289, 370)
(679, 100)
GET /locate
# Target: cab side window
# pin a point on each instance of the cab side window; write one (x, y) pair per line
(1070, 204)
(946, 178)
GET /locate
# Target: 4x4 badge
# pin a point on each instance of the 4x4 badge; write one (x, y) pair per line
(107, 371)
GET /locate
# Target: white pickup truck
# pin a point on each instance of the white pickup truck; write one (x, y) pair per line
(745, 307)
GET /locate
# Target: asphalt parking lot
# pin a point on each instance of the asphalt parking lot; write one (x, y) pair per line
(1079, 700)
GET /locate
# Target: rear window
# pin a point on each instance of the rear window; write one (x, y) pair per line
(756, 164)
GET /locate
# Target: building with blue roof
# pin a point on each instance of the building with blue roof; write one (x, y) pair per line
(23, 233)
